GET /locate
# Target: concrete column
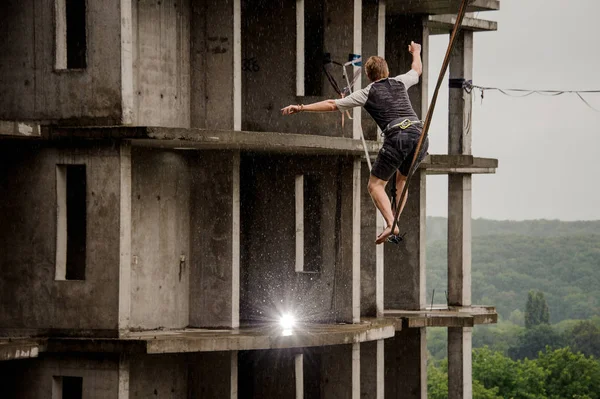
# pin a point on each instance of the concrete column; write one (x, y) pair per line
(371, 255)
(372, 369)
(406, 365)
(356, 230)
(459, 186)
(461, 67)
(125, 238)
(347, 299)
(215, 244)
(127, 98)
(123, 390)
(399, 31)
(216, 52)
(357, 49)
(460, 366)
(459, 221)
(405, 262)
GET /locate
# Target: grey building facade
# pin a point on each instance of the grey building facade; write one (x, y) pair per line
(158, 215)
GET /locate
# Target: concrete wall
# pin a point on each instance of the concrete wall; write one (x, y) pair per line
(32, 90)
(266, 374)
(160, 239)
(32, 379)
(158, 376)
(30, 296)
(214, 269)
(181, 376)
(161, 62)
(269, 283)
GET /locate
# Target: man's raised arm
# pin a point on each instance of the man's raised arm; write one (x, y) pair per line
(415, 50)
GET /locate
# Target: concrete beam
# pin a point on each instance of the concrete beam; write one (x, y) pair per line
(443, 24)
(439, 6)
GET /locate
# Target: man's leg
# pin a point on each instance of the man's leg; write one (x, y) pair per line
(382, 202)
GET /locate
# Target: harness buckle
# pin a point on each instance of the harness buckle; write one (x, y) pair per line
(405, 124)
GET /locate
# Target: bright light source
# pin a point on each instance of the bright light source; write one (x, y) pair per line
(287, 321)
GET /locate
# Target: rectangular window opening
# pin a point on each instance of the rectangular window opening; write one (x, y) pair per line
(71, 201)
(64, 387)
(309, 207)
(71, 34)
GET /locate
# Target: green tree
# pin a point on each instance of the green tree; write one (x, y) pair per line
(437, 380)
(437, 384)
(584, 337)
(507, 378)
(570, 375)
(536, 309)
(534, 340)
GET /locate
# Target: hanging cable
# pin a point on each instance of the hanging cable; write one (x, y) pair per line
(469, 87)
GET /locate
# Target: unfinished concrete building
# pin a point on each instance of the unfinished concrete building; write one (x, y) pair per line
(158, 215)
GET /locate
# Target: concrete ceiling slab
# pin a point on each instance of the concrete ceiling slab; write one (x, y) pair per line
(438, 6)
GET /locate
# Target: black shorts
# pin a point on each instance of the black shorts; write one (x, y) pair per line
(397, 153)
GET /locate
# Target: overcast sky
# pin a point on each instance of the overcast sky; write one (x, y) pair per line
(548, 147)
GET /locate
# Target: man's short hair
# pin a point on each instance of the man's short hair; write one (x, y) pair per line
(376, 68)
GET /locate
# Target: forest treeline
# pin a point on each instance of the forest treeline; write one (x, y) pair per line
(543, 277)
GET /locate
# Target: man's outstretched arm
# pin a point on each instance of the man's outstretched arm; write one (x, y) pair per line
(356, 99)
(321, 106)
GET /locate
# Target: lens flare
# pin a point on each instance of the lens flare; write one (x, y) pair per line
(287, 321)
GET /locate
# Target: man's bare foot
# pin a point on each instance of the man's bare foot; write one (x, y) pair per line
(385, 234)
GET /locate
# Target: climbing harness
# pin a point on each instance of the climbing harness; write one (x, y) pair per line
(461, 13)
(404, 124)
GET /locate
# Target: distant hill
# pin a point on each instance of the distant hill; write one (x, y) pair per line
(437, 228)
(562, 259)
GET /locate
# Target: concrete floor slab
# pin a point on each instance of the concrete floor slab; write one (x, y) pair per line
(246, 338)
(199, 139)
(443, 24)
(445, 164)
(444, 316)
(438, 6)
